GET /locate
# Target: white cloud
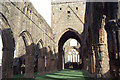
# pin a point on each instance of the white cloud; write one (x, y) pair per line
(44, 8)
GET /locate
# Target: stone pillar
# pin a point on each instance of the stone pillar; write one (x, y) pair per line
(118, 42)
(113, 32)
(93, 60)
(84, 57)
(55, 62)
(113, 51)
(102, 62)
(52, 64)
(41, 66)
(90, 58)
(29, 62)
(91, 63)
(102, 57)
(41, 63)
(8, 53)
(118, 48)
(7, 63)
(59, 61)
(63, 61)
(48, 63)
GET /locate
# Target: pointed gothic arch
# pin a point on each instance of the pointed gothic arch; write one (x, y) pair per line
(70, 30)
(68, 33)
(29, 56)
(40, 58)
(26, 37)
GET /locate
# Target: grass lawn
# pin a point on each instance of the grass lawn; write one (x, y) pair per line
(66, 74)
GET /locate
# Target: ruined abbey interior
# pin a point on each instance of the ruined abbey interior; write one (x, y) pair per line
(29, 45)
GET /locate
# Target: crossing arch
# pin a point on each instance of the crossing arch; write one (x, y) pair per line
(67, 34)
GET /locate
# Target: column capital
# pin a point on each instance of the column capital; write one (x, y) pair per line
(112, 25)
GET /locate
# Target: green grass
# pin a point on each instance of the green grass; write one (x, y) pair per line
(19, 76)
(61, 75)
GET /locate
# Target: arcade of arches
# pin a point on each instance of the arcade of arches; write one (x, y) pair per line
(29, 45)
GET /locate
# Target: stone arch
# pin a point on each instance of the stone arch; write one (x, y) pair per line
(40, 46)
(29, 56)
(40, 43)
(8, 47)
(49, 52)
(68, 33)
(48, 59)
(48, 48)
(66, 30)
(40, 58)
(26, 37)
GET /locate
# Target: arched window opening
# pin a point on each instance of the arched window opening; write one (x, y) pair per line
(73, 56)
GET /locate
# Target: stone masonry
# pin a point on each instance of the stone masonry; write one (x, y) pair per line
(31, 45)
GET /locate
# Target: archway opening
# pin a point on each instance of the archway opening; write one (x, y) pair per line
(69, 34)
(72, 54)
(24, 56)
(19, 57)
(40, 59)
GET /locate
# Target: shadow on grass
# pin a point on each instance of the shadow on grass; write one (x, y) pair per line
(64, 75)
(18, 79)
(61, 75)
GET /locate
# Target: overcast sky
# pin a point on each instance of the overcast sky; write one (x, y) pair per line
(44, 8)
